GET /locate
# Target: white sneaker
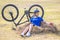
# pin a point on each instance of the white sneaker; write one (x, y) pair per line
(28, 34)
(22, 34)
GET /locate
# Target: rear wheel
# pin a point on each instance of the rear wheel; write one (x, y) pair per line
(34, 7)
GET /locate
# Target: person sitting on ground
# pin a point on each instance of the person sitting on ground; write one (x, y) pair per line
(36, 21)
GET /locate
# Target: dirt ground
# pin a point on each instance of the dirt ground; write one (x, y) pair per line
(52, 14)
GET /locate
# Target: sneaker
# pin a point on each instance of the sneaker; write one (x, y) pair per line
(28, 34)
(22, 35)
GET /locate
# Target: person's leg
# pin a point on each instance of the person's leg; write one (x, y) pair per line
(30, 29)
(25, 30)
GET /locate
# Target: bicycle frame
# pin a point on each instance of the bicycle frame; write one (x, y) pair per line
(25, 13)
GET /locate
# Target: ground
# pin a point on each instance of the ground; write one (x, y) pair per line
(52, 14)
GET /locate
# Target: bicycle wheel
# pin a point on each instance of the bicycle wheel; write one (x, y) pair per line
(11, 6)
(36, 6)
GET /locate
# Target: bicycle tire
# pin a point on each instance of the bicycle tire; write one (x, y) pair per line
(5, 8)
(37, 6)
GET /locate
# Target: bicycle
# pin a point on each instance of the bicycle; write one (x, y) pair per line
(26, 12)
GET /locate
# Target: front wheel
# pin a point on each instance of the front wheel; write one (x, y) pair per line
(10, 11)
